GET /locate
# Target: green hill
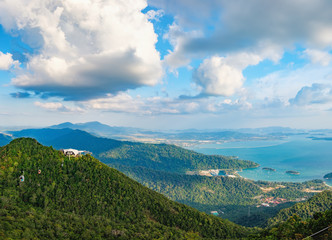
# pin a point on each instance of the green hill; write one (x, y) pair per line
(318, 203)
(161, 157)
(85, 199)
(320, 226)
(204, 193)
(170, 158)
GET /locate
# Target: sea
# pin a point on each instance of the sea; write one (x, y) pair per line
(311, 158)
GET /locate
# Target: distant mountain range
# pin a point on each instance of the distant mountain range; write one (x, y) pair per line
(99, 129)
(180, 137)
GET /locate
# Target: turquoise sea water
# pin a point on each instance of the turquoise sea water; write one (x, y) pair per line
(312, 158)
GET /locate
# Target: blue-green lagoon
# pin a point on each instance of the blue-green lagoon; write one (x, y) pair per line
(311, 158)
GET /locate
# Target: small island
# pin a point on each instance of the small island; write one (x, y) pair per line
(269, 169)
(293, 172)
(328, 176)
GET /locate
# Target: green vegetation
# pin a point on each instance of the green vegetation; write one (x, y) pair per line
(161, 157)
(328, 176)
(193, 190)
(296, 228)
(170, 158)
(85, 199)
(318, 203)
(231, 197)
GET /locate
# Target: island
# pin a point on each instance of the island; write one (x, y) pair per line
(293, 172)
(328, 176)
(269, 169)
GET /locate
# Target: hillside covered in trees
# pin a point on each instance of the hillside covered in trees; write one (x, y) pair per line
(230, 197)
(319, 227)
(161, 157)
(81, 198)
(318, 203)
(161, 167)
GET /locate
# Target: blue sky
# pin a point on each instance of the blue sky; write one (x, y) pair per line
(166, 64)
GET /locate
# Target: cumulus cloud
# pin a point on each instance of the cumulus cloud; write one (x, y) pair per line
(240, 25)
(6, 61)
(176, 36)
(216, 77)
(222, 76)
(285, 84)
(86, 48)
(315, 94)
(58, 107)
(318, 56)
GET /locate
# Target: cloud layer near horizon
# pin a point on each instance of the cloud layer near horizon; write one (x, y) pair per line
(86, 49)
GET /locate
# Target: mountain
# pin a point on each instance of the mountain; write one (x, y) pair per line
(161, 157)
(319, 227)
(318, 203)
(98, 128)
(85, 199)
(230, 197)
(5, 139)
(170, 158)
(44, 135)
(196, 191)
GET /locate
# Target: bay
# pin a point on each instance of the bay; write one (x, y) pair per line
(311, 158)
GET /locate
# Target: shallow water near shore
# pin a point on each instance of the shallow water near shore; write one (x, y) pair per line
(311, 158)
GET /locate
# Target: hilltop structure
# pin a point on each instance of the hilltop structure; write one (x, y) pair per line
(74, 152)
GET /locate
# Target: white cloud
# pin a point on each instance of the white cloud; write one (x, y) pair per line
(232, 26)
(316, 94)
(319, 56)
(177, 36)
(6, 61)
(87, 48)
(155, 15)
(216, 77)
(125, 103)
(223, 75)
(58, 107)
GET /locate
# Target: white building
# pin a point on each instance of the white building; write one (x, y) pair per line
(73, 152)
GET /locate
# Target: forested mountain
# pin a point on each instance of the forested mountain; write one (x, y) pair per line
(320, 226)
(230, 197)
(318, 203)
(170, 158)
(85, 199)
(196, 191)
(155, 156)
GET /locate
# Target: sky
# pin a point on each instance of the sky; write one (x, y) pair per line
(166, 64)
